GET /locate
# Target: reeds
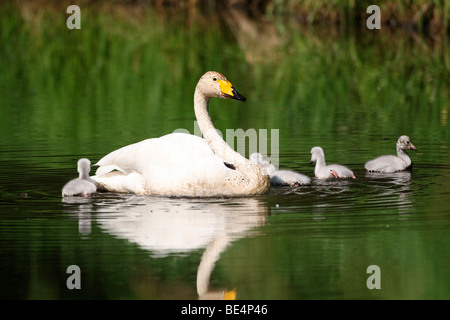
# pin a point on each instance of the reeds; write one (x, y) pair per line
(428, 16)
(132, 73)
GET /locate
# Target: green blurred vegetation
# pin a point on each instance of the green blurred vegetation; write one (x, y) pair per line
(129, 74)
(420, 15)
(429, 16)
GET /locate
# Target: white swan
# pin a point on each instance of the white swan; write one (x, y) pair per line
(280, 177)
(181, 164)
(83, 185)
(322, 171)
(289, 178)
(267, 167)
(390, 163)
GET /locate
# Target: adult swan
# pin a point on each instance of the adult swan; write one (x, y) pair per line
(185, 165)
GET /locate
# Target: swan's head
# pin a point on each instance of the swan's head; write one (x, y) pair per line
(214, 84)
(404, 143)
(316, 153)
(84, 166)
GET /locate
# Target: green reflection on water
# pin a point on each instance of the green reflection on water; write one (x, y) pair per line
(118, 80)
(127, 75)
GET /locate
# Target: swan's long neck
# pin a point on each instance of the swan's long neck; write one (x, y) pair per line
(215, 141)
(208, 261)
(404, 156)
(256, 181)
(84, 173)
(320, 163)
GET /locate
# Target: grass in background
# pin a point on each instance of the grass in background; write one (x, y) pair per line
(130, 72)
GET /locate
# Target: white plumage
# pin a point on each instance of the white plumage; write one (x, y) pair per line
(391, 163)
(181, 164)
(280, 177)
(83, 185)
(324, 171)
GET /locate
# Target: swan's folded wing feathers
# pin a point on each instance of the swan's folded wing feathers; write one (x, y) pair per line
(387, 163)
(107, 169)
(173, 162)
(165, 151)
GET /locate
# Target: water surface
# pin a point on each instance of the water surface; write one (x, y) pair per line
(66, 95)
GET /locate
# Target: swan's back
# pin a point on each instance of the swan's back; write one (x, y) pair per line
(83, 185)
(79, 187)
(175, 164)
(387, 164)
(172, 151)
(291, 178)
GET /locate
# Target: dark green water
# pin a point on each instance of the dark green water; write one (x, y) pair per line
(127, 76)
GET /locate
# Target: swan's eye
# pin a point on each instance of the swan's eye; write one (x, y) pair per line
(407, 142)
(215, 79)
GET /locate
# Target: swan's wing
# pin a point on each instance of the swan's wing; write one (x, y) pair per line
(171, 164)
(387, 163)
(167, 151)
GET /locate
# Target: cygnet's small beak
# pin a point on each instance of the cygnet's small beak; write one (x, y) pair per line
(228, 92)
(334, 173)
(412, 147)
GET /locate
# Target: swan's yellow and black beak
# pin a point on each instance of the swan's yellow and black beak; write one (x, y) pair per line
(228, 92)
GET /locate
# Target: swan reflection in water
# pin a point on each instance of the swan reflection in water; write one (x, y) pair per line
(167, 226)
(83, 211)
(395, 185)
